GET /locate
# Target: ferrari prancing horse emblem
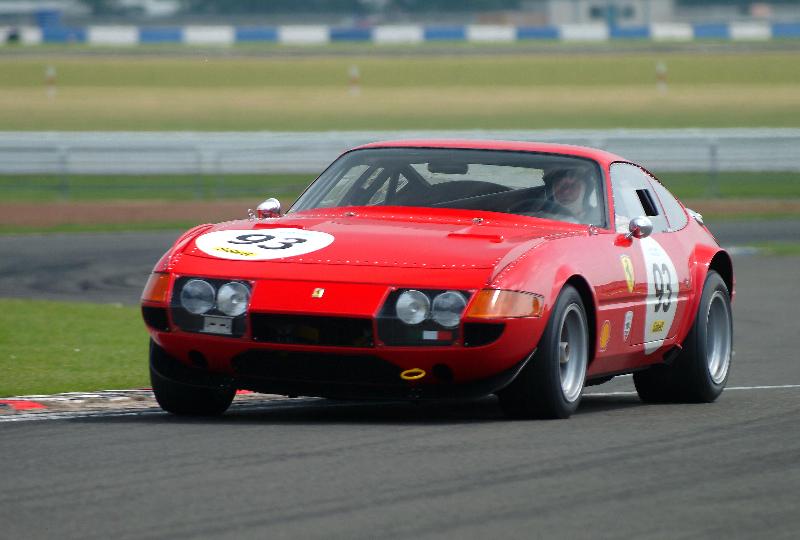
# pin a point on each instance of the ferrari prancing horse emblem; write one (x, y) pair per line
(627, 267)
(318, 293)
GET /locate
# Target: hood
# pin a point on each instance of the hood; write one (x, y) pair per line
(386, 237)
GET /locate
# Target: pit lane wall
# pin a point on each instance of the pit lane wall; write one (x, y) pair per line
(154, 153)
(394, 34)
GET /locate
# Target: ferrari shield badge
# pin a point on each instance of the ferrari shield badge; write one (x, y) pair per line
(627, 267)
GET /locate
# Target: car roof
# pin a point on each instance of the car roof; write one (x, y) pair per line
(601, 156)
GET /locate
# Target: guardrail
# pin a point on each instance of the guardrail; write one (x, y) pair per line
(151, 153)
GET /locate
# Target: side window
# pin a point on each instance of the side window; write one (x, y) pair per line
(676, 215)
(634, 196)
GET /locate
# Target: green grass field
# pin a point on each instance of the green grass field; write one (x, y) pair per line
(505, 90)
(48, 347)
(733, 185)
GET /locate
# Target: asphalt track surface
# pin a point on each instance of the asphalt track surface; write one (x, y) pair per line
(320, 469)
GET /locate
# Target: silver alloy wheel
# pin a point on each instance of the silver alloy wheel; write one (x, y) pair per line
(718, 337)
(572, 352)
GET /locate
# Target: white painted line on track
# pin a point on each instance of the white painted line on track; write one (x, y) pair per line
(773, 387)
(727, 389)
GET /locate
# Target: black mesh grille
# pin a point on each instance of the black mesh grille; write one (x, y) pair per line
(316, 367)
(156, 318)
(477, 334)
(311, 330)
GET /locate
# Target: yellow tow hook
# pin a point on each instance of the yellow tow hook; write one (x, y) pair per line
(413, 374)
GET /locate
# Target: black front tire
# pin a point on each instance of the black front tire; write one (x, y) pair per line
(540, 390)
(185, 399)
(700, 372)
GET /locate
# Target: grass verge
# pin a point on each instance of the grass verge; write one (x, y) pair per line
(48, 347)
(784, 249)
(470, 91)
(42, 188)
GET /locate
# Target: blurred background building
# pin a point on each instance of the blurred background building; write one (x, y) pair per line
(375, 12)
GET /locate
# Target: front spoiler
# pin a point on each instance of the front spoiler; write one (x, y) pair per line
(170, 368)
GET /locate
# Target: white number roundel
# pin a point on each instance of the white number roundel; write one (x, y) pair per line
(262, 245)
(662, 294)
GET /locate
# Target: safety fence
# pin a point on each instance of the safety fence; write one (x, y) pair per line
(140, 157)
(394, 34)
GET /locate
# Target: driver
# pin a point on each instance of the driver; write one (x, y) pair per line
(571, 190)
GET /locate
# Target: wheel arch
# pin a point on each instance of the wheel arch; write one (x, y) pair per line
(705, 259)
(587, 296)
(722, 264)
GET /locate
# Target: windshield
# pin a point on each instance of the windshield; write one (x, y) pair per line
(550, 186)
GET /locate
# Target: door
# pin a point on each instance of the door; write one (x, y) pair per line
(657, 266)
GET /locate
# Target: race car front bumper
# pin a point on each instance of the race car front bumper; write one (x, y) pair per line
(326, 375)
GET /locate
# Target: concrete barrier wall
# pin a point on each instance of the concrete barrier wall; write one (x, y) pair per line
(315, 35)
(143, 153)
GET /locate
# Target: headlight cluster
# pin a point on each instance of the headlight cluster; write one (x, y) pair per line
(198, 296)
(413, 307)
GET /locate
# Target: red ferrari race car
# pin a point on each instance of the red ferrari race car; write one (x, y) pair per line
(429, 269)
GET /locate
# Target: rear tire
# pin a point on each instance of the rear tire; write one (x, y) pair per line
(700, 372)
(551, 384)
(184, 399)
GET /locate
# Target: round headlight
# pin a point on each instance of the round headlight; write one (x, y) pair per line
(232, 298)
(447, 308)
(413, 307)
(197, 296)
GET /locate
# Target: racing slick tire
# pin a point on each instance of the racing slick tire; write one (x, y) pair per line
(184, 399)
(700, 372)
(551, 384)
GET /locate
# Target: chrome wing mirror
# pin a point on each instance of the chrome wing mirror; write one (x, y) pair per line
(640, 227)
(271, 208)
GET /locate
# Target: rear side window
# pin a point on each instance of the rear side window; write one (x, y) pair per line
(634, 197)
(676, 215)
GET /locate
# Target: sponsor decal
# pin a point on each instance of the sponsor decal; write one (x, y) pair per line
(627, 267)
(235, 251)
(626, 332)
(605, 335)
(658, 326)
(318, 293)
(437, 335)
(268, 244)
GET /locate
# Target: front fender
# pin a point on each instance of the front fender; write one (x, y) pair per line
(538, 271)
(700, 262)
